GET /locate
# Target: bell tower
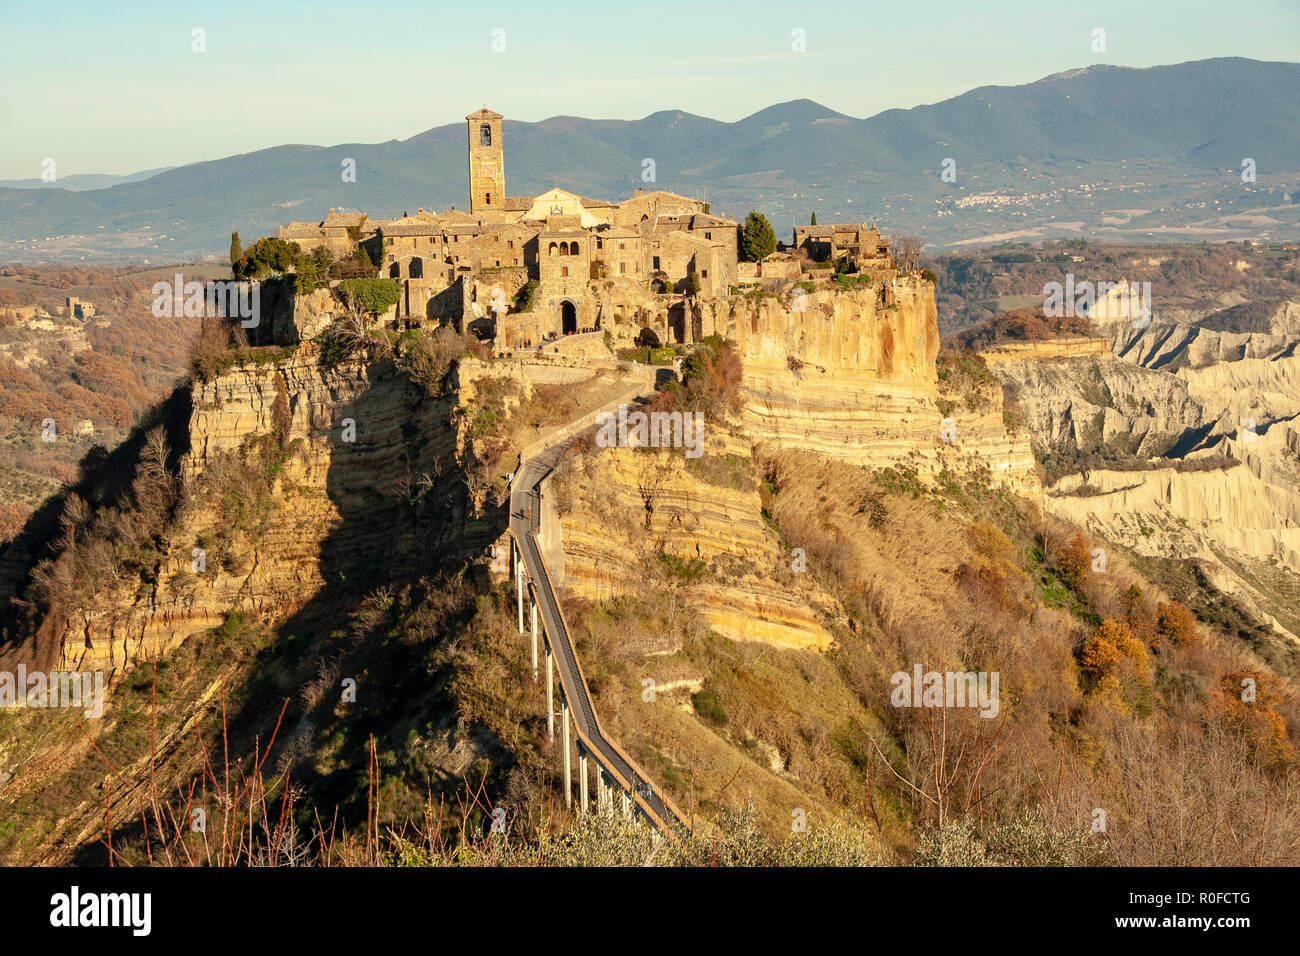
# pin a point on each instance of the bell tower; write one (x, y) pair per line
(487, 168)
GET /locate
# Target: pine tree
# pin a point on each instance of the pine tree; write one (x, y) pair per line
(814, 220)
(236, 250)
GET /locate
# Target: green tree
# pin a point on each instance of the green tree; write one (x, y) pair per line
(814, 219)
(757, 239)
(236, 250)
(369, 295)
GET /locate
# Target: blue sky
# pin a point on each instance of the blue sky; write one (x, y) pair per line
(116, 87)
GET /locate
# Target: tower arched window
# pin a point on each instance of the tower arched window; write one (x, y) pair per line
(552, 250)
(485, 134)
(573, 248)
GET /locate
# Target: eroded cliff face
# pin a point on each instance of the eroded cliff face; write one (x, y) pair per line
(1172, 345)
(1084, 403)
(1186, 397)
(851, 374)
(631, 517)
(299, 475)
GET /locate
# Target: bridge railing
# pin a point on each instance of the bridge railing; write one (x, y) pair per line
(587, 742)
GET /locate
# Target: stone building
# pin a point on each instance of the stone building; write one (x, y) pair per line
(654, 245)
(338, 232)
(859, 243)
(78, 308)
(487, 166)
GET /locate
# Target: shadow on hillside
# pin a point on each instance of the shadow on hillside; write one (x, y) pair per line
(104, 478)
(381, 539)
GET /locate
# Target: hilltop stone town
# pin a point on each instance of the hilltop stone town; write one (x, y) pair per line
(558, 270)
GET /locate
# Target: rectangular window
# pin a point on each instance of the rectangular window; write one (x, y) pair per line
(622, 245)
(622, 268)
(564, 270)
(656, 262)
(598, 242)
(708, 235)
(704, 273)
(510, 243)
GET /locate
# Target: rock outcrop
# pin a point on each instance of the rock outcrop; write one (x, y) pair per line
(852, 375)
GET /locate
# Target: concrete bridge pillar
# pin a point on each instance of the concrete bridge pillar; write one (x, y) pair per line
(582, 778)
(568, 772)
(519, 586)
(533, 604)
(550, 693)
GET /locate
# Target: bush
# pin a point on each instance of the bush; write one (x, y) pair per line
(1176, 624)
(707, 706)
(266, 257)
(524, 297)
(369, 295)
(1075, 563)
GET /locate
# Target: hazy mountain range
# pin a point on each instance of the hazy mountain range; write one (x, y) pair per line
(1137, 152)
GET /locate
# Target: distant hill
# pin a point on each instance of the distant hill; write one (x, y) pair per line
(1166, 142)
(82, 181)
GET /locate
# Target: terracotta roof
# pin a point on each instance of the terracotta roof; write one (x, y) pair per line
(412, 229)
(508, 226)
(302, 230)
(484, 113)
(518, 203)
(617, 232)
(345, 219)
(681, 235)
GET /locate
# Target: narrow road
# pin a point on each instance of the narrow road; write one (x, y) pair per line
(525, 521)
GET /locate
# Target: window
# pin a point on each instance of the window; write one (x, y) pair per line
(499, 263)
(656, 262)
(564, 271)
(573, 248)
(510, 243)
(599, 243)
(622, 268)
(708, 235)
(487, 199)
(622, 245)
(551, 251)
(485, 134)
(704, 273)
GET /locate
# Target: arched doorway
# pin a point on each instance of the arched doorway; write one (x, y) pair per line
(568, 317)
